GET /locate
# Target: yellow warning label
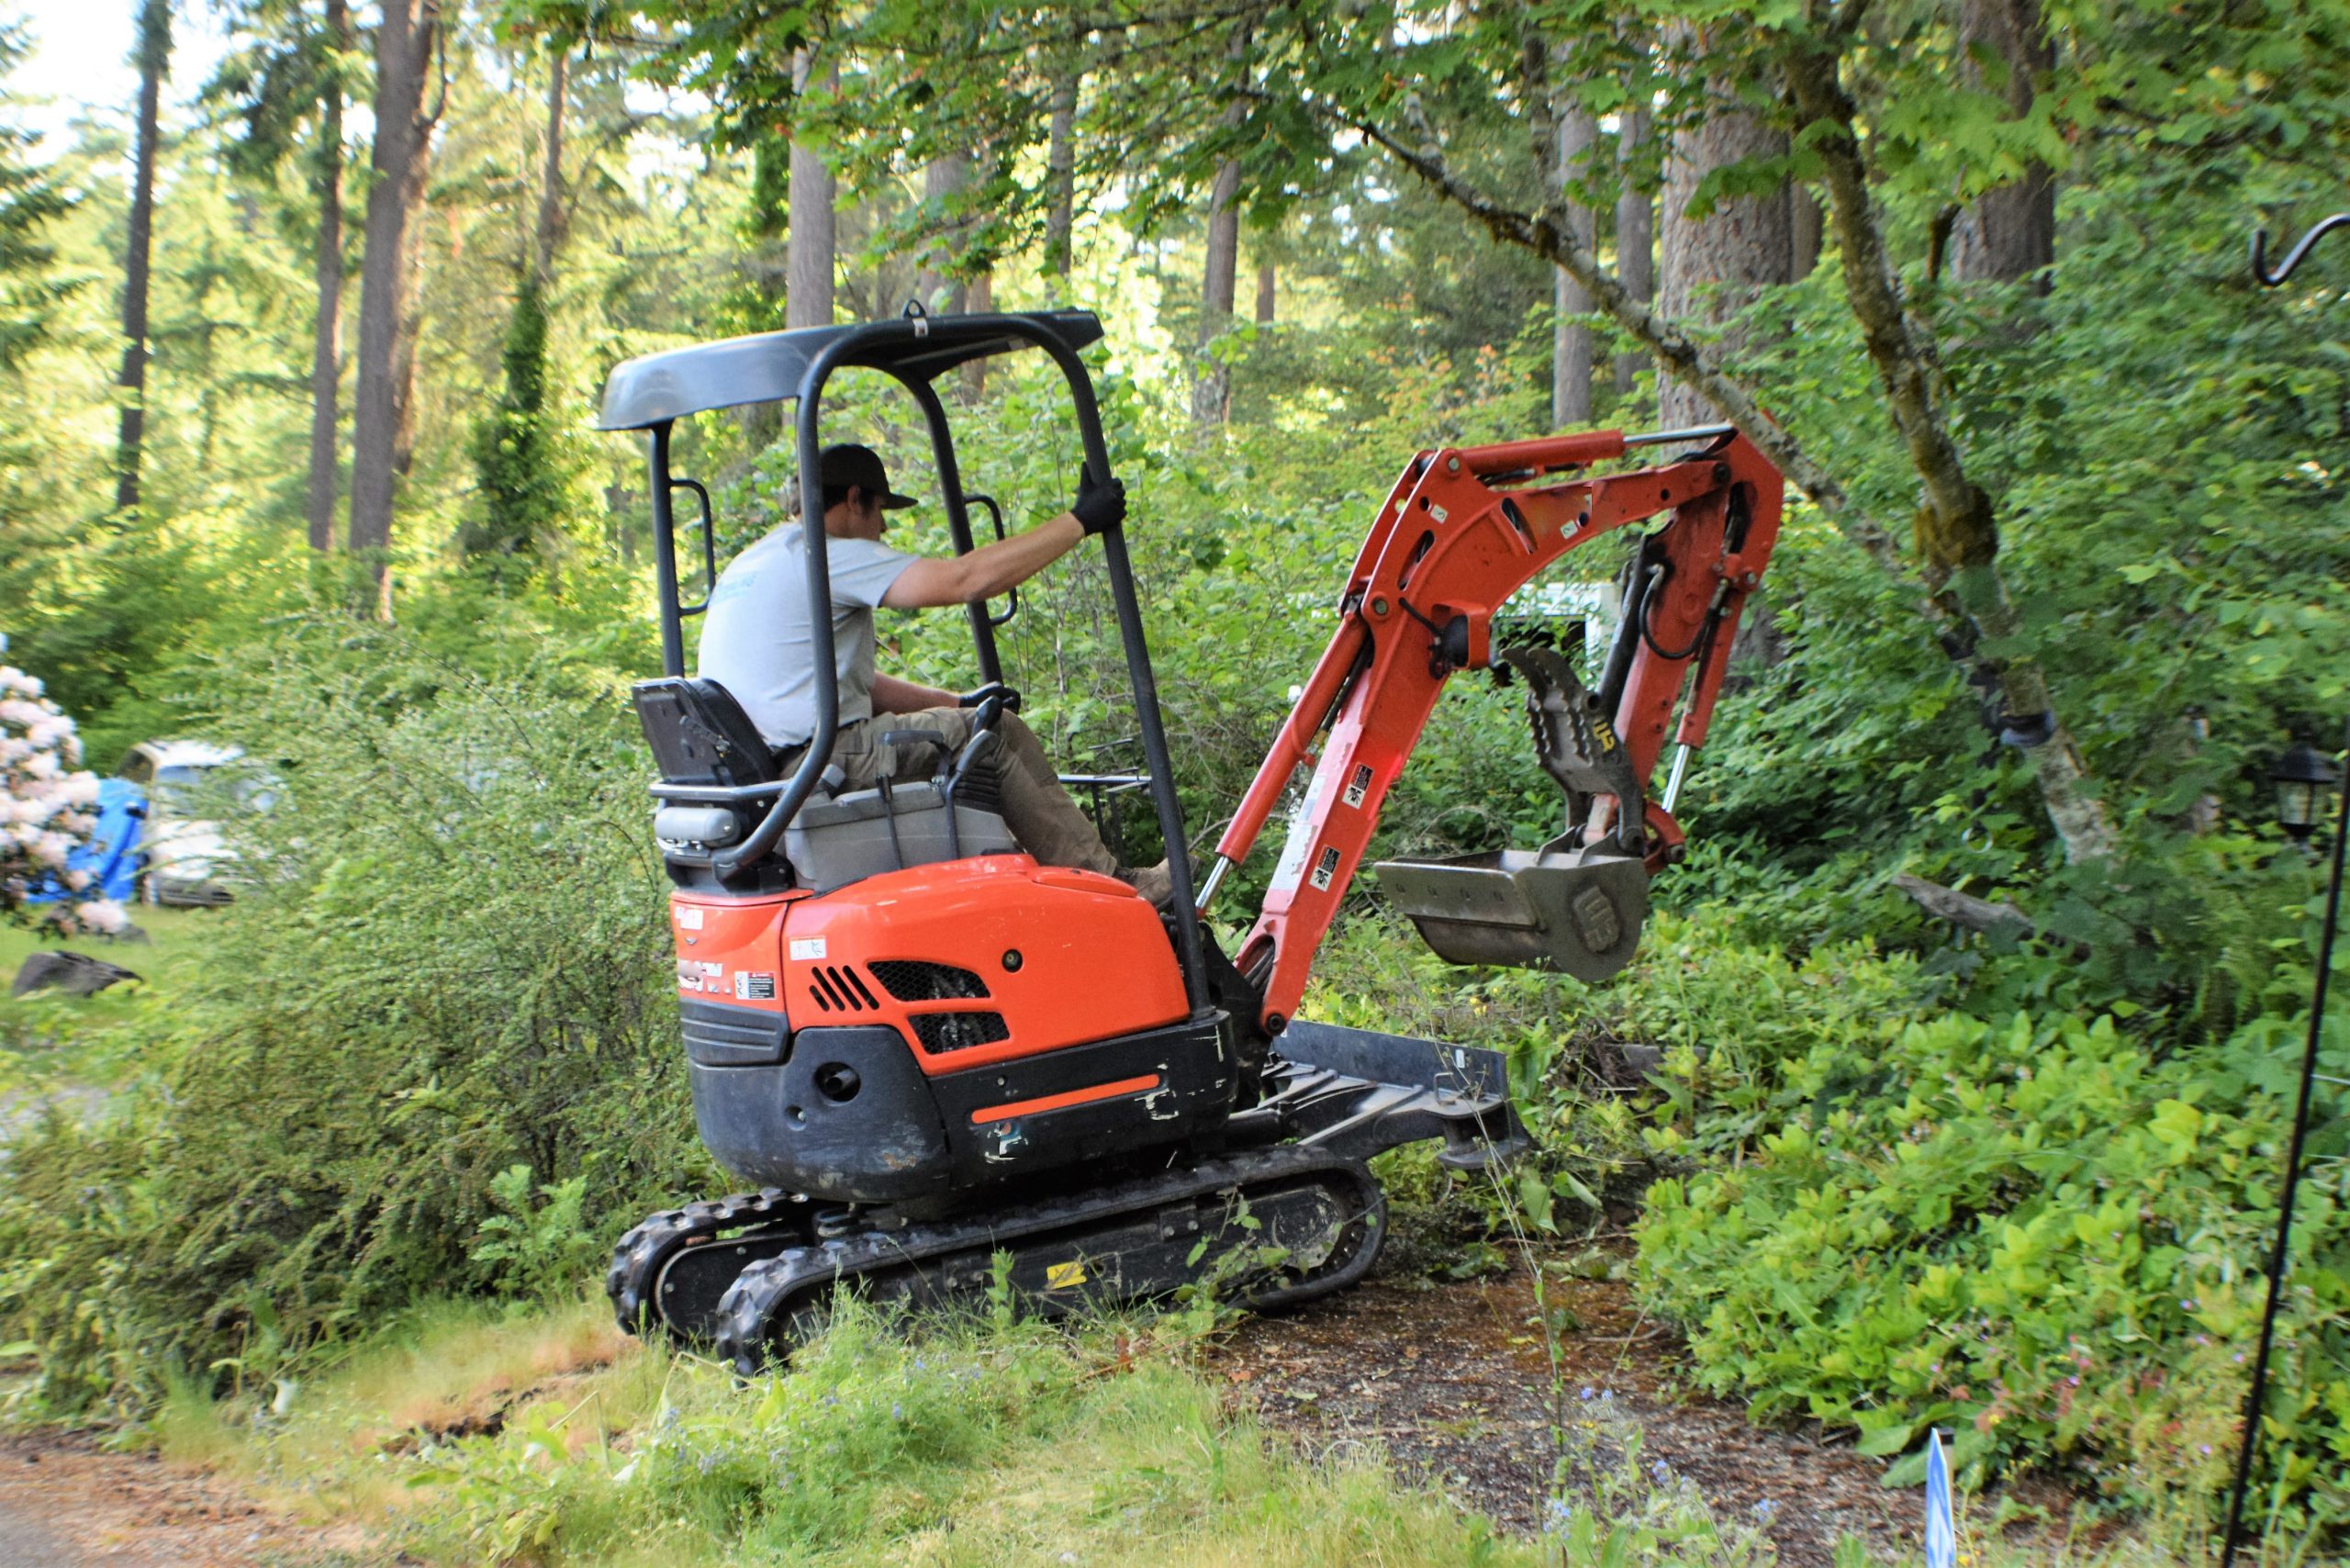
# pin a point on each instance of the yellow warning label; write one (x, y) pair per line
(1061, 1276)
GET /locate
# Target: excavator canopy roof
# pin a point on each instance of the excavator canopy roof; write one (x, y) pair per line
(767, 367)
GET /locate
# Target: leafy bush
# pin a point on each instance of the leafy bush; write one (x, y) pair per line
(1868, 1205)
(2037, 1230)
(544, 1248)
(451, 960)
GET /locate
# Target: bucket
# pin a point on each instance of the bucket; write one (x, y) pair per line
(1575, 910)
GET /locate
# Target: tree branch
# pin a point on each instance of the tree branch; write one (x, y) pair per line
(1547, 235)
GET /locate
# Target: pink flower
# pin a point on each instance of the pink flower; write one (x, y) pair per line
(101, 914)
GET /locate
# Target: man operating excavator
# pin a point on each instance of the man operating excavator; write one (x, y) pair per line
(755, 643)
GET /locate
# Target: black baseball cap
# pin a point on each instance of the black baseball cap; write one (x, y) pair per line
(848, 464)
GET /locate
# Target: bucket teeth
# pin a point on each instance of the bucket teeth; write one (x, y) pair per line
(1577, 745)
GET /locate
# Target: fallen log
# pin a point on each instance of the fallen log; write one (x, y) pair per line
(1964, 909)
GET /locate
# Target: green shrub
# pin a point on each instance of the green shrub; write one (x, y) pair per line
(448, 959)
(2035, 1232)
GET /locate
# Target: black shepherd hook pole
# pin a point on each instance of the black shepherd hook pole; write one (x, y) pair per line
(2255, 1398)
(2293, 257)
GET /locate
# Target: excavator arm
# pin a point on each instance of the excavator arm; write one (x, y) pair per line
(1460, 532)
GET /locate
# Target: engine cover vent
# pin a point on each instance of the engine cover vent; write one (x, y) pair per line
(943, 1032)
(911, 980)
(839, 988)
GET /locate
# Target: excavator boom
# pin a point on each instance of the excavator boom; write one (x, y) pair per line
(1460, 532)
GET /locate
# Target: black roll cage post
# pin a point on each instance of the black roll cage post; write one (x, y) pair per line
(795, 791)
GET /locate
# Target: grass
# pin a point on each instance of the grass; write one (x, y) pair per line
(49, 1039)
(468, 1434)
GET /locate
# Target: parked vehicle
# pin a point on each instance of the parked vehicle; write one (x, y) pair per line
(186, 857)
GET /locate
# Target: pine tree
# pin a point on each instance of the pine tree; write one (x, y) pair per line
(30, 199)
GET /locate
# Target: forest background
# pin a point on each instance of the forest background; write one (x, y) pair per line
(294, 453)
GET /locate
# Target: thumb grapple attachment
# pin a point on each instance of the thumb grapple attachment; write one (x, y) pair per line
(1570, 906)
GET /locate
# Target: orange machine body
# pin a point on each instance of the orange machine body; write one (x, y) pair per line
(1055, 957)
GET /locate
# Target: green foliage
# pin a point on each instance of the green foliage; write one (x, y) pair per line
(449, 959)
(518, 459)
(31, 199)
(445, 989)
(541, 1248)
(2039, 1232)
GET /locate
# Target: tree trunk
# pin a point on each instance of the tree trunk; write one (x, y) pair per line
(382, 423)
(766, 267)
(1211, 384)
(979, 298)
(409, 330)
(1571, 343)
(1060, 176)
(548, 232)
(1805, 221)
(808, 301)
(2009, 234)
(936, 283)
(1635, 237)
(1957, 534)
(1714, 266)
(154, 60)
(326, 336)
(1268, 282)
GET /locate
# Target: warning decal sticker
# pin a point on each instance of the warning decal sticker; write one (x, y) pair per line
(754, 987)
(807, 948)
(1359, 785)
(1326, 868)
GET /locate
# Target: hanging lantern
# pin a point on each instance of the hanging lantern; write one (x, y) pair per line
(2304, 777)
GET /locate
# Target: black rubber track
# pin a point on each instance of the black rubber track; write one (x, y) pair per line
(633, 1282)
(775, 1303)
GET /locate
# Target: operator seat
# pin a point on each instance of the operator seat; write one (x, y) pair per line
(703, 739)
(700, 735)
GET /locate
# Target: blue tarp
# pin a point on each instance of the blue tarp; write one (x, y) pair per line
(111, 857)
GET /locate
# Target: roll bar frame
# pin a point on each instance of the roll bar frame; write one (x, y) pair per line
(864, 346)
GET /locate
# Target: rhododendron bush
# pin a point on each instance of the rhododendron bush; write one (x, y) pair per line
(49, 811)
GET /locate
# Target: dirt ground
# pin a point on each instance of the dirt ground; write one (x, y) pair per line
(1454, 1382)
(65, 1503)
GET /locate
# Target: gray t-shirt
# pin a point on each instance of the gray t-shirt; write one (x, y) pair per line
(755, 637)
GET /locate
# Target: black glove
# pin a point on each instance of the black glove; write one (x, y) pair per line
(1011, 696)
(1101, 503)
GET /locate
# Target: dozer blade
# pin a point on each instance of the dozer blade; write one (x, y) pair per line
(1569, 906)
(1360, 1093)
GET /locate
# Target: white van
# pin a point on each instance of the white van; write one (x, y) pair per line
(186, 859)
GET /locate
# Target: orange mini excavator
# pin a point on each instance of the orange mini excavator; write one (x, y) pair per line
(922, 1051)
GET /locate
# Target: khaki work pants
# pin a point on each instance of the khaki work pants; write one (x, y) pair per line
(1048, 824)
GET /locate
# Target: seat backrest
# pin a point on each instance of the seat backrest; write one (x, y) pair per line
(700, 735)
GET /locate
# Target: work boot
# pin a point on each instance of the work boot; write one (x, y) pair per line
(1153, 882)
(1157, 884)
